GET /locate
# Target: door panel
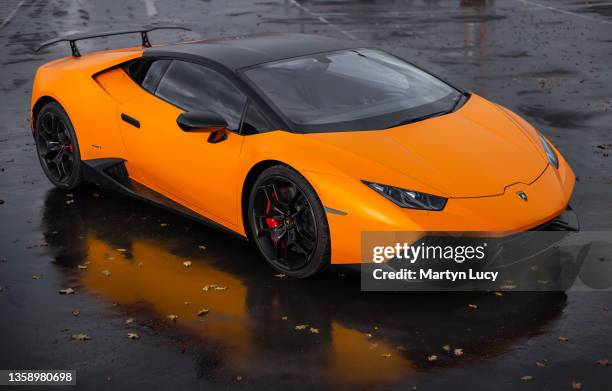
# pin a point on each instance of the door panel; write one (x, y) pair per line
(181, 164)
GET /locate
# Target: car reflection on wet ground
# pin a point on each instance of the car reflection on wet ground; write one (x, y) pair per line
(126, 260)
(152, 271)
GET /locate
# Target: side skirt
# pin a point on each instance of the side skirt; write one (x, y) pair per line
(110, 173)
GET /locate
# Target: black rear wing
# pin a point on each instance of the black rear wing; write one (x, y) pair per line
(73, 38)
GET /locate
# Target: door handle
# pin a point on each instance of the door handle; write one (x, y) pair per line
(130, 120)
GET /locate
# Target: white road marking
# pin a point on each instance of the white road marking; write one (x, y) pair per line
(566, 12)
(150, 7)
(11, 15)
(322, 19)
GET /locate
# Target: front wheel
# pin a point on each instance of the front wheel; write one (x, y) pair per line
(288, 222)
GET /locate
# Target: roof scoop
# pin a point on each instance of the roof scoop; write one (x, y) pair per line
(73, 38)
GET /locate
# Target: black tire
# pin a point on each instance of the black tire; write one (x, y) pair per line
(284, 208)
(57, 147)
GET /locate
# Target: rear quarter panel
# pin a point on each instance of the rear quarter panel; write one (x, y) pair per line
(92, 111)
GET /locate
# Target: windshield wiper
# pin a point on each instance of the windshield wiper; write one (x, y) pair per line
(461, 98)
(421, 118)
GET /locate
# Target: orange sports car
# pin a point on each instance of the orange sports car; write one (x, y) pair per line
(296, 142)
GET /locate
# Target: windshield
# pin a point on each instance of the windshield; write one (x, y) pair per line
(348, 90)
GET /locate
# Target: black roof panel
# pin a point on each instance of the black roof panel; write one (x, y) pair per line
(243, 51)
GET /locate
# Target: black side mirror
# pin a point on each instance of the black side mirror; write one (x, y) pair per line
(200, 121)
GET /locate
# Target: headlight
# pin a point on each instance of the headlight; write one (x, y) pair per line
(550, 154)
(408, 198)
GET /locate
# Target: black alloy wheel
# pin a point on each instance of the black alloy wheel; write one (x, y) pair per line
(57, 147)
(288, 222)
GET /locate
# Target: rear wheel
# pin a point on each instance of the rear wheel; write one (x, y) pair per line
(57, 147)
(288, 223)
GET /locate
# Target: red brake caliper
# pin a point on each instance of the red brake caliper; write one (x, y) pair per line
(271, 222)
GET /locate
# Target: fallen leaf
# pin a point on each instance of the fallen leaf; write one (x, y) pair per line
(76, 312)
(187, 263)
(280, 275)
(163, 225)
(446, 348)
(68, 202)
(605, 362)
(314, 330)
(81, 337)
(301, 327)
(540, 364)
(82, 267)
(36, 277)
(203, 312)
(458, 352)
(386, 355)
(133, 336)
(202, 247)
(563, 339)
(66, 291)
(498, 294)
(526, 378)
(473, 306)
(432, 358)
(121, 250)
(576, 385)
(173, 317)
(129, 321)
(107, 273)
(368, 335)
(284, 318)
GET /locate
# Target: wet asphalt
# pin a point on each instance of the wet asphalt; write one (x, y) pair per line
(550, 61)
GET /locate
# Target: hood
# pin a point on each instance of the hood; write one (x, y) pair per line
(476, 151)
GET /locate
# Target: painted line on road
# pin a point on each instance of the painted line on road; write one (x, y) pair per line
(150, 7)
(322, 19)
(11, 15)
(563, 11)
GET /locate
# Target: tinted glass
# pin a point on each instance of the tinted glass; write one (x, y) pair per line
(253, 121)
(350, 90)
(193, 87)
(154, 74)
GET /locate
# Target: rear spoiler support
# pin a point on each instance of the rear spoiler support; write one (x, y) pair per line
(73, 38)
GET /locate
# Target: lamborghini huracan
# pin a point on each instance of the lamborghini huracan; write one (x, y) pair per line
(298, 143)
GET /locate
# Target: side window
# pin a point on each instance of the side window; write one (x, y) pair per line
(154, 74)
(253, 122)
(195, 87)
